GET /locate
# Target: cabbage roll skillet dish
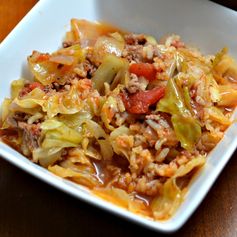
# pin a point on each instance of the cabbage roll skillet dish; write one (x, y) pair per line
(130, 117)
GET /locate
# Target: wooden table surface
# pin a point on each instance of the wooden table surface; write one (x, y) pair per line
(31, 208)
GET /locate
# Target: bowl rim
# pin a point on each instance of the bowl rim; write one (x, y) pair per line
(81, 192)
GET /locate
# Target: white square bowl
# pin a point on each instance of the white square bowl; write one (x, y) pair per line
(199, 22)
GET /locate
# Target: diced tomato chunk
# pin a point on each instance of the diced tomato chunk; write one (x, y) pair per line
(30, 87)
(178, 44)
(139, 102)
(41, 57)
(146, 70)
(35, 84)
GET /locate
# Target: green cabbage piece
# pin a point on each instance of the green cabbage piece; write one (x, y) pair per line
(219, 55)
(79, 176)
(186, 127)
(33, 99)
(187, 130)
(47, 72)
(75, 120)
(61, 103)
(187, 99)
(5, 109)
(150, 39)
(165, 205)
(44, 72)
(57, 134)
(95, 129)
(47, 156)
(188, 167)
(108, 110)
(108, 69)
(102, 138)
(122, 130)
(108, 45)
(16, 87)
(173, 102)
(217, 115)
(106, 149)
(30, 103)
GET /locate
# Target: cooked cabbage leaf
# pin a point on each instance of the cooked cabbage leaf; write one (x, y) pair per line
(16, 87)
(108, 69)
(108, 45)
(80, 177)
(44, 67)
(173, 102)
(57, 134)
(102, 138)
(187, 128)
(166, 203)
(108, 111)
(47, 156)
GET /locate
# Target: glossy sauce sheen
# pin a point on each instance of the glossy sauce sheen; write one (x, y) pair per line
(104, 175)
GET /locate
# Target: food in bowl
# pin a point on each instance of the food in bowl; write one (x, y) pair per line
(131, 118)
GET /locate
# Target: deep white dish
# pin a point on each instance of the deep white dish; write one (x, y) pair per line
(202, 23)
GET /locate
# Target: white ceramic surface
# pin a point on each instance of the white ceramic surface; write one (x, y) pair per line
(199, 22)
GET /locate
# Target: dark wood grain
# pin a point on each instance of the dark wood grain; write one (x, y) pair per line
(229, 3)
(29, 207)
(11, 12)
